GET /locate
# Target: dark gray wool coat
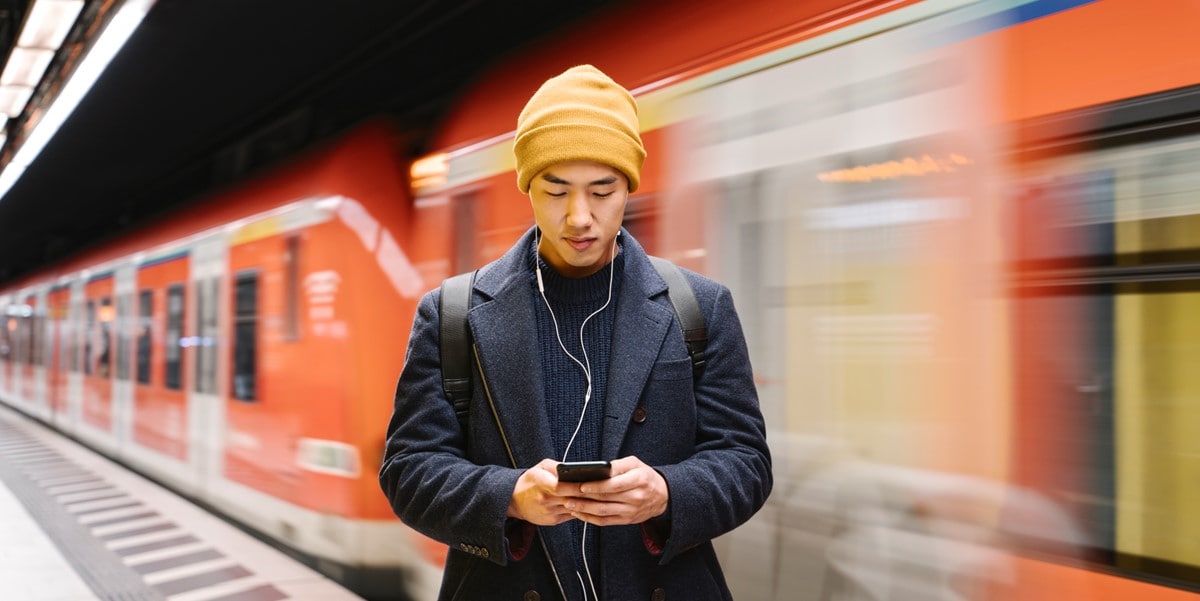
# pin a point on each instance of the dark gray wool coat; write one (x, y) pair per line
(707, 440)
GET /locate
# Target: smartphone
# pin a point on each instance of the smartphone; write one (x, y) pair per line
(584, 471)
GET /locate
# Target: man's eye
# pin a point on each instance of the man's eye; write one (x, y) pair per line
(602, 194)
(556, 194)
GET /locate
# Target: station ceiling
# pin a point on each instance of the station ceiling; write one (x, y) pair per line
(208, 91)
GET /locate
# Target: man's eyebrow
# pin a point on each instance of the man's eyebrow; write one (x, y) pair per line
(604, 181)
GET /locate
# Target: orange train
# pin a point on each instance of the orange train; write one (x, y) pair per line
(958, 233)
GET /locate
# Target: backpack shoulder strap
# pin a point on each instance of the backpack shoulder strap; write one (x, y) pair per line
(456, 342)
(687, 311)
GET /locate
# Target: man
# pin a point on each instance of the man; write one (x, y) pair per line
(580, 356)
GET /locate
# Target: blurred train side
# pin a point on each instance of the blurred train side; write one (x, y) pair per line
(861, 176)
(932, 219)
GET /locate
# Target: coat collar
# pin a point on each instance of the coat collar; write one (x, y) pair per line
(505, 333)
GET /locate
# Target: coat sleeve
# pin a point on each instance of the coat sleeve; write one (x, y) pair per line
(430, 484)
(728, 478)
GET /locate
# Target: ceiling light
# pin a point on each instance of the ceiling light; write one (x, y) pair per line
(25, 66)
(108, 43)
(13, 99)
(48, 23)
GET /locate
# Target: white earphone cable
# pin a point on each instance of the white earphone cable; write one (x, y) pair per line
(586, 366)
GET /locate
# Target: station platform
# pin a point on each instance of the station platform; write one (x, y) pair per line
(75, 526)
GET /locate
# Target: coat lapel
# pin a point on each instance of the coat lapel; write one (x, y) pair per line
(505, 334)
(639, 327)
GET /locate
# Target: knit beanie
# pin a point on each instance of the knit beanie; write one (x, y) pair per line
(580, 115)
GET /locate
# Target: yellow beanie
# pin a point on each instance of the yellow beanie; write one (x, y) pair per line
(580, 115)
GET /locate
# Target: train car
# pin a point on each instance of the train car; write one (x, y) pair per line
(244, 352)
(959, 235)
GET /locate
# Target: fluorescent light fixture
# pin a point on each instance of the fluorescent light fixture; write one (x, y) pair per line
(48, 23)
(13, 99)
(110, 41)
(26, 66)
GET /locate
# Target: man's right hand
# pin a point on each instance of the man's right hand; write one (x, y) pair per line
(535, 498)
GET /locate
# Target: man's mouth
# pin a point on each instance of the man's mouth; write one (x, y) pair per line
(581, 244)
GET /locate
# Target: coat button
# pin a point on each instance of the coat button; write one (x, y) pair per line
(532, 596)
(658, 595)
(639, 414)
(484, 552)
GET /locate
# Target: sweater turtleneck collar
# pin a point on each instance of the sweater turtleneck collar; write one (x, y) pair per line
(579, 290)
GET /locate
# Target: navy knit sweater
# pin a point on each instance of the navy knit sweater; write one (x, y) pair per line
(573, 300)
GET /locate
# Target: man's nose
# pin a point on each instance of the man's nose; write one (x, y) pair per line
(579, 211)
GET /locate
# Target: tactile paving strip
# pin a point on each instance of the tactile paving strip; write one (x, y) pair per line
(90, 520)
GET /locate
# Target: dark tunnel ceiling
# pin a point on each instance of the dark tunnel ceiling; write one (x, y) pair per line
(202, 81)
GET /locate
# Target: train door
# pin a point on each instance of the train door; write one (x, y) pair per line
(38, 331)
(99, 319)
(57, 328)
(7, 326)
(75, 335)
(27, 344)
(122, 388)
(206, 412)
(270, 397)
(159, 405)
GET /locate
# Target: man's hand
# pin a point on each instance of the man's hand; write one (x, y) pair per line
(536, 497)
(635, 493)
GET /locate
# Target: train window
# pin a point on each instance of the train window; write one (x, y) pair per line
(72, 333)
(174, 343)
(466, 236)
(33, 338)
(206, 335)
(124, 304)
(104, 342)
(62, 337)
(21, 336)
(291, 326)
(245, 337)
(641, 220)
(39, 337)
(1109, 279)
(5, 343)
(145, 321)
(89, 326)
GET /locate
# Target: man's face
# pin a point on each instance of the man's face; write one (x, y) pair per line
(579, 206)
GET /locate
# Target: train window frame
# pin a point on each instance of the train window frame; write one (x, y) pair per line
(104, 359)
(39, 337)
(207, 291)
(173, 338)
(89, 323)
(74, 315)
(5, 339)
(466, 233)
(22, 341)
(291, 317)
(124, 346)
(145, 336)
(1123, 178)
(243, 385)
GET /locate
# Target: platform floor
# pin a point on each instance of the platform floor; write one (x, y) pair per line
(75, 526)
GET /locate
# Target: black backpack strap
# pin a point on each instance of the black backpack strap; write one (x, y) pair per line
(687, 311)
(456, 342)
